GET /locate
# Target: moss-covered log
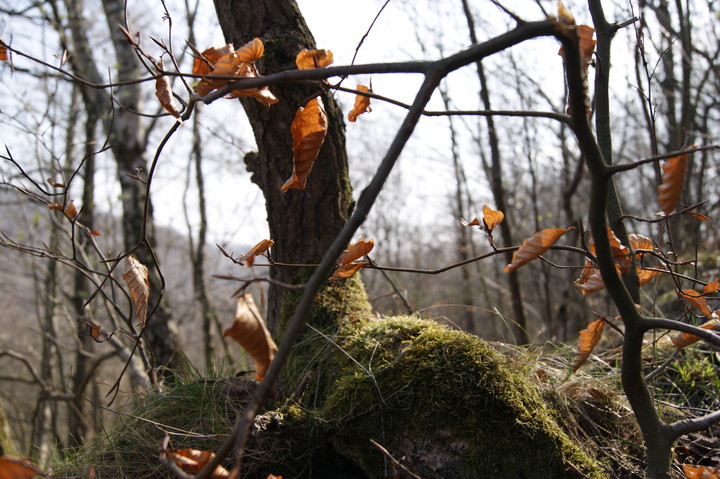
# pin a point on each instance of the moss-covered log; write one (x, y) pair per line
(444, 401)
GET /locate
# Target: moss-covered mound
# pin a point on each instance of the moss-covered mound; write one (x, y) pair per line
(445, 402)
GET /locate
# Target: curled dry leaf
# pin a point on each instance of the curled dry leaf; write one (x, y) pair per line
(492, 218)
(257, 250)
(682, 340)
(712, 287)
(700, 472)
(3, 51)
(347, 264)
(697, 301)
(362, 104)
(308, 59)
(194, 460)
(673, 179)
(163, 92)
(473, 222)
(638, 241)
(238, 63)
(16, 468)
(308, 132)
(98, 334)
(137, 282)
(591, 283)
(250, 331)
(355, 251)
(534, 246)
(589, 337)
(346, 270)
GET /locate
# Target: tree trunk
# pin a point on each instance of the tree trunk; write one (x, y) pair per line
(303, 223)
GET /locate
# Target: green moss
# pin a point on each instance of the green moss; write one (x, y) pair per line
(446, 401)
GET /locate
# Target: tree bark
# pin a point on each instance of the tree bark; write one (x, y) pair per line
(303, 223)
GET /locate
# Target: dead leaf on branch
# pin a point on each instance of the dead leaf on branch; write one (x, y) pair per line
(260, 248)
(71, 211)
(136, 279)
(697, 301)
(673, 180)
(347, 261)
(194, 460)
(589, 337)
(3, 51)
(712, 287)
(535, 246)
(16, 468)
(492, 218)
(308, 59)
(682, 340)
(250, 331)
(362, 104)
(308, 132)
(163, 92)
(238, 63)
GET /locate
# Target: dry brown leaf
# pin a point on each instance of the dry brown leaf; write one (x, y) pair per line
(308, 132)
(638, 241)
(564, 14)
(700, 216)
(251, 51)
(203, 65)
(620, 252)
(273, 476)
(346, 270)
(696, 299)
(238, 63)
(492, 218)
(646, 275)
(308, 59)
(589, 338)
(712, 287)
(355, 251)
(534, 246)
(71, 211)
(163, 92)
(250, 331)
(257, 250)
(362, 104)
(3, 51)
(55, 206)
(98, 334)
(682, 340)
(473, 222)
(591, 283)
(586, 44)
(16, 468)
(673, 180)
(194, 460)
(700, 472)
(137, 282)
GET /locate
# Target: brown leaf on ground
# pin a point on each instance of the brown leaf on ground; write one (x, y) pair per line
(16, 468)
(194, 460)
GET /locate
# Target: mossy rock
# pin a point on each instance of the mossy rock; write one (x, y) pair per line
(443, 400)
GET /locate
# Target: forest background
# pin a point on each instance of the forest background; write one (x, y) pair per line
(665, 96)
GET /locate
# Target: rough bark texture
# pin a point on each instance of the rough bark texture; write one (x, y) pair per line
(302, 223)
